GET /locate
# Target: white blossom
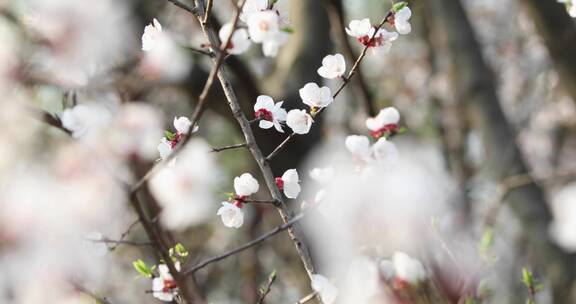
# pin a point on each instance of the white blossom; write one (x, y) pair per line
(232, 215)
(564, 224)
(85, 119)
(239, 43)
(408, 269)
(290, 183)
(271, 46)
(164, 148)
(333, 66)
(182, 125)
(327, 291)
(359, 146)
(271, 114)
(299, 121)
(322, 175)
(164, 286)
(263, 25)
(184, 188)
(401, 22)
(315, 96)
(152, 36)
(386, 116)
(245, 185)
(135, 131)
(385, 152)
(163, 58)
(360, 28)
(251, 7)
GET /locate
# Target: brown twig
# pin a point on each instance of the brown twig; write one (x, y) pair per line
(345, 80)
(191, 10)
(90, 293)
(49, 119)
(236, 146)
(208, 11)
(119, 242)
(262, 202)
(262, 238)
(126, 233)
(295, 231)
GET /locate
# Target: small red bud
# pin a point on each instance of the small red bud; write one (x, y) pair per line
(280, 183)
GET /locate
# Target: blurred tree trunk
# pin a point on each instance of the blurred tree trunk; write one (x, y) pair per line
(474, 84)
(558, 30)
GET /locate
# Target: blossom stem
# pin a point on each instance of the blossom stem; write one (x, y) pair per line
(307, 298)
(236, 146)
(262, 238)
(267, 289)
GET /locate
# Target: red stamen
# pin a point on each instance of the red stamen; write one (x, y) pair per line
(387, 130)
(280, 183)
(264, 114)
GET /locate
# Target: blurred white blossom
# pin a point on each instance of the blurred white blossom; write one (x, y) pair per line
(299, 121)
(232, 215)
(333, 66)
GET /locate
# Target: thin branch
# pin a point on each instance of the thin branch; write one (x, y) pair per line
(307, 298)
(202, 51)
(236, 146)
(345, 82)
(90, 293)
(119, 242)
(295, 232)
(126, 233)
(262, 238)
(263, 202)
(191, 10)
(208, 11)
(268, 288)
(49, 119)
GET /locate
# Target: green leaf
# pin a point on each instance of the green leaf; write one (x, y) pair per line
(487, 242)
(398, 6)
(180, 250)
(527, 278)
(169, 135)
(402, 130)
(142, 268)
(288, 30)
(272, 275)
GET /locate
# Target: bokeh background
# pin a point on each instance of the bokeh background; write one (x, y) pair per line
(486, 90)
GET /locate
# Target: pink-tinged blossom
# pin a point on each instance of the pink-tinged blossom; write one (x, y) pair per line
(289, 183)
(315, 96)
(327, 291)
(363, 31)
(263, 26)
(333, 66)
(167, 145)
(164, 286)
(403, 269)
(359, 147)
(299, 121)
(271, 114)
(239, 43)
(245, 185)
(231, 214)
(385, 152)
(385, 123)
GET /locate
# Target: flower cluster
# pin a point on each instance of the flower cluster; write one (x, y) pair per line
(380, 38)
(231, 213)
(169, 142)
